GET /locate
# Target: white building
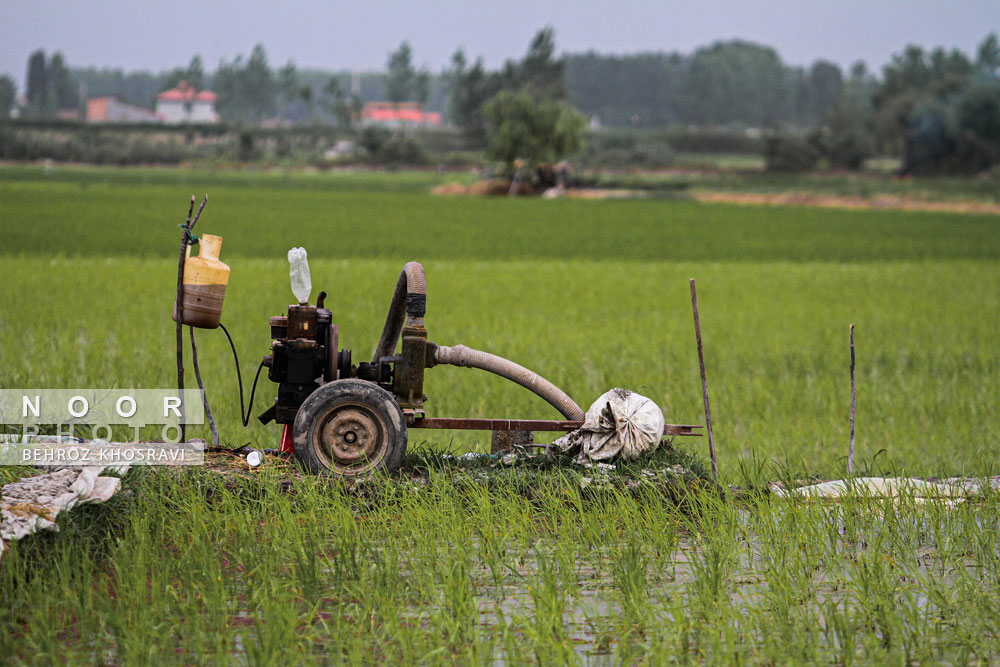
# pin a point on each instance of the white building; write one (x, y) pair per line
(183, 105)
(110, 109)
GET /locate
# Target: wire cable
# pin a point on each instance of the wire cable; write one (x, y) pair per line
(244, 409)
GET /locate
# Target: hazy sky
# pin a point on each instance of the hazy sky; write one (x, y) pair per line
(160, 34)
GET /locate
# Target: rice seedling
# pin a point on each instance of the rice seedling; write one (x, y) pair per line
(481, 564)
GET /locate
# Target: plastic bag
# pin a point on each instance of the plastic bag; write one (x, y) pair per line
(918, 490)
(619, 424)
(299, 273)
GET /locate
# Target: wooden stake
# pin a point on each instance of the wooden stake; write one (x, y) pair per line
(179, 305)
(854, 402)
(204, 396)
(188, 226)
(704, 382)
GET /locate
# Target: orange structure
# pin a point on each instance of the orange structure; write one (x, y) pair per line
(399, 115)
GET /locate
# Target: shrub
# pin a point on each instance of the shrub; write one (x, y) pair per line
(712, 140)
(90, 145)
(622, 149)
(790, 153)
(382, 147)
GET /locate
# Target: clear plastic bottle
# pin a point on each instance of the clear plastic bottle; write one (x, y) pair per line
(299, 273)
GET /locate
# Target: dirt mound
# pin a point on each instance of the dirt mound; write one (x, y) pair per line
(450, 189)
(833, 201)
(498, 187)
(603, 193)
(492, 188)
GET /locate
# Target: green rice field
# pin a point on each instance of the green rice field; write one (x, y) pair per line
(591, 294)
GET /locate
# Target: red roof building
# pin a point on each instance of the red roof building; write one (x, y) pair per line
(184, 104)
(399, 115)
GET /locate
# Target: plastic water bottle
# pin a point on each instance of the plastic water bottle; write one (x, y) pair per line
(299, 273)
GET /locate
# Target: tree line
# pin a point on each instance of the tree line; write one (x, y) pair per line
(726, 83)
(937, 110)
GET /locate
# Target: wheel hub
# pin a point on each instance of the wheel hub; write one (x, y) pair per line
(352, 436)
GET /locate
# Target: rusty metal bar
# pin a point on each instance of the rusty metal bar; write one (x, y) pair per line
(522, 425)
(681, 429)
(495, 424)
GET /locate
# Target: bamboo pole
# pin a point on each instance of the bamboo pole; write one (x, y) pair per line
(704, 382)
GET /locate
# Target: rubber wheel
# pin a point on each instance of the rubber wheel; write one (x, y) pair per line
(350, 427)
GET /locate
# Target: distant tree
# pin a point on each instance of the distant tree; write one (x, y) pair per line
(422, 86)
(453, 76)
(826, 83)
(533, 129)
(172, 79)
(928, 139)
(922, 75)
(247, 90)
(49, 85)
(8, 93)
(916, 88)
(138, 88)
(306, 97)
(845, 138)
(400, 74)
(977, 120)
(196, 72)
(988, 55)
(356, 104)
(37, 93)
(938, 109)
(860, 83)
(193, 74)
(641, 89)
(228, 85)
(736, 81)
(63, 91)
(907, 71)
(344, 108)
(540, 69)
(469, 89)
(260, 83)
(288, 85)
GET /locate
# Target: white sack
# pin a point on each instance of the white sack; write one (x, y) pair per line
(619, 423)
(33, 503)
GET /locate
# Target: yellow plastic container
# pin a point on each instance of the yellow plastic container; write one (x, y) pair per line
(205, 280)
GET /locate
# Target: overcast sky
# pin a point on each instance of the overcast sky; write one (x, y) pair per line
(160, 34)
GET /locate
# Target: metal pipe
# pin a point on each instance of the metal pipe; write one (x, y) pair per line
(409, 304)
